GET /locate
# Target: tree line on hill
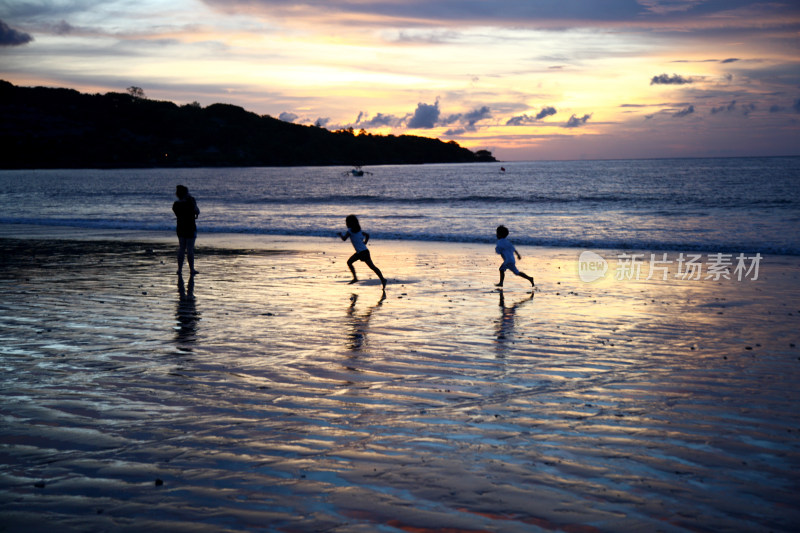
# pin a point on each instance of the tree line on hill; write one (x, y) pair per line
(62, 128)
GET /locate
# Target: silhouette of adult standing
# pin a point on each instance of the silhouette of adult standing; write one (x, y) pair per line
(186, 211)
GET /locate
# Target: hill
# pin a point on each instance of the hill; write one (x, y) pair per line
(62, 128)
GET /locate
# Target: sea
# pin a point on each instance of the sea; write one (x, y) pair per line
(733, 205)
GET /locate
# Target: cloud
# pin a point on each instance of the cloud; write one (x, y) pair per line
(730, 60)
(467, 120)
(428, 116)
(11, 37)
(678, 15)
(477, 114)
(796, 106)
(63, 28)
(425, 116)
(745, 108)
(575, 121)
(728, 108)
(684, 112)
(666, 79)
(380, 120)
(519, 120)
(288, 117)
(748, 108)
(662, 7)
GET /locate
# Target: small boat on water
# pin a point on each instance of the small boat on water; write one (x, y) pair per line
(357, 171)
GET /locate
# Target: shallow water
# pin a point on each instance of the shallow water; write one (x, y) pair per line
(281, 398)
(742, 205)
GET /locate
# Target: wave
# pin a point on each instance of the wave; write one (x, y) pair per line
(627, 200)
(597, 243)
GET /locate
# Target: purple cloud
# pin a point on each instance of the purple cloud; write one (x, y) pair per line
(11, 37)
(425, 116)
(575, 121)
(666, 79)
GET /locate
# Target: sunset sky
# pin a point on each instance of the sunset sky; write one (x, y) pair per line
(526, 79)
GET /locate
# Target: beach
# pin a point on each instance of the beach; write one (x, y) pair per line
(267, 394)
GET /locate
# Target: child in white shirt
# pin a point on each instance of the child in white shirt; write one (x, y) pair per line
(507, 251)
(359, 240)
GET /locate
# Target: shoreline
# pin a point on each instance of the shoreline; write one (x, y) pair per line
(248, 241)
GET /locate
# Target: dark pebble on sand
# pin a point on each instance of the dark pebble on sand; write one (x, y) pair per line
(159, 482)
(39, 484)
(748, 347)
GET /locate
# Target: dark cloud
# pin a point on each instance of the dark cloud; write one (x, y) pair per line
(288, 117)
(545, 112)
(561, 14)
(666, 79)
(11, 37)
(468, 120)
(796, 106)
(527, 119)
(730, 60)
(686, 111)
(428, 116)
(425, 116)
(746, 109)
(477, 114)
(575, 121)
(378, 121)
(727, 108)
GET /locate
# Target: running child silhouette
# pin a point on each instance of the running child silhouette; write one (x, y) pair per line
(507, 251)
(359, 239)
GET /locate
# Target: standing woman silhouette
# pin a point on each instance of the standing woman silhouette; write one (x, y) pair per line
(186, 211)
(359, 239)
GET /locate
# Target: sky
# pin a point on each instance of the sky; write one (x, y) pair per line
(525, 79)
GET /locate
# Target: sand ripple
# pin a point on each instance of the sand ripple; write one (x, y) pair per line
(271, 395)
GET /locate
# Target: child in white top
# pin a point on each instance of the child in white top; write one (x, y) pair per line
(359, 240)
(507, 251)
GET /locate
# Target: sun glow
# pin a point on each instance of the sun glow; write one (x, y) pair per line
(497, 78)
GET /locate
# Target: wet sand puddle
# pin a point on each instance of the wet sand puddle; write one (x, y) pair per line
(281, 398)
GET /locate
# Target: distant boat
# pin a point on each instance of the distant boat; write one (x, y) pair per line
(358, 172)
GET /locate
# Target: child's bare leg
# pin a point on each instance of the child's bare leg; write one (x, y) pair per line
(502, 277)
(376, 270)
(350, 262)
(529, 278)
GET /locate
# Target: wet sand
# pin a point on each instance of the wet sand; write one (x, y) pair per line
(268, 394)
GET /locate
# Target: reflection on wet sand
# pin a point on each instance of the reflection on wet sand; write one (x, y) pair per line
(358, 323)
(186, 315)
(504, 327)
